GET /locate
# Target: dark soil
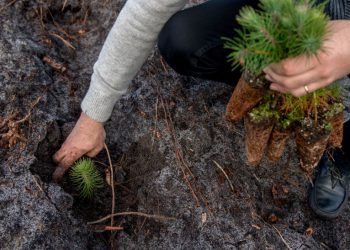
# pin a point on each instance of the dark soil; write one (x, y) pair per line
(165, 126)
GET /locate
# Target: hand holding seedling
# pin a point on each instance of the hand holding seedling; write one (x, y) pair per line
(331, 63)
(86, 138)
(299, 50)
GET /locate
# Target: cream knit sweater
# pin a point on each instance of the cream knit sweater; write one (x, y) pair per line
(126, 48)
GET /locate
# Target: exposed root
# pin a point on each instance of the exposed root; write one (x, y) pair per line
(187, 174)
(112, 187)
(149, 216)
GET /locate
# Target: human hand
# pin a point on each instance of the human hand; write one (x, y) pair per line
(331, 63)
(87, 137)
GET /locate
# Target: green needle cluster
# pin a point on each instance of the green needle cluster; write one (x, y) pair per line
(85, 178)
(277, 30)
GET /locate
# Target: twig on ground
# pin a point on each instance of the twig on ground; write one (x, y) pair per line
(279, 233)
(110, 228)
(7, 5)
(325, 246)
(65, 42)
(150, 216)
(37, 183)
(101, 228)
(103, 164)
(187, 174)
(185, 171)
(64, 5)
(155, 120)
(163, 65)
(223, 171)
(112, 186)
(55, 65)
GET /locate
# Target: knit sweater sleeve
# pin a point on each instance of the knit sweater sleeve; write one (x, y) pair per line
(126, 48)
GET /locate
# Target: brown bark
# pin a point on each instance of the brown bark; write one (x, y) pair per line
(244, 98)
(336, 137)
(277, 143)
(256, 139)
(311, 146)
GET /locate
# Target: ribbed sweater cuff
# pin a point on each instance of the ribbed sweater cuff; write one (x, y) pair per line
(99, 106)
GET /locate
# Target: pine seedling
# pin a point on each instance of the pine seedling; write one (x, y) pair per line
(86, 178)
(279, 30)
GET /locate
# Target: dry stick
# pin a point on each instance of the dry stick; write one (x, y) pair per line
(279, 233)
(223, 171)
(37, 184)
(163, 65)
(103, 164)
(64, 4)
(150, 216)
(177, 153)
(284, 241)
(112, 183)
(155, 120)
(110, 228)
(173, 135)
(40, 14)
(85, 17)
(59, 27)
(179, 157)
(68, 44)
(7, 5)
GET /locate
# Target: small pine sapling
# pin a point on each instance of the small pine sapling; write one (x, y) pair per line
(278, 30)
(86, 178)
(322, 124)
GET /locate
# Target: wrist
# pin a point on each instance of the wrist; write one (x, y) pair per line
(87, 120)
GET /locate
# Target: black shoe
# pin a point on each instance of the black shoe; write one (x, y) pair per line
(329, 195)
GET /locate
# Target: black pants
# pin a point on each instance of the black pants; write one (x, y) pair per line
(191, 43)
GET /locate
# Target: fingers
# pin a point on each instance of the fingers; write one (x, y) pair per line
(291, 75)
(293, 82)
(293, 66)
(279, 88)
(87, 137)
(58, 174)
(300, 91)
(59, 155)
(95, 151)
(65, 158)
(310, 87)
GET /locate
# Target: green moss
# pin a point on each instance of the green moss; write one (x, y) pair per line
(327, 126)
(334, 110)
(263, 113)
(85, 178)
